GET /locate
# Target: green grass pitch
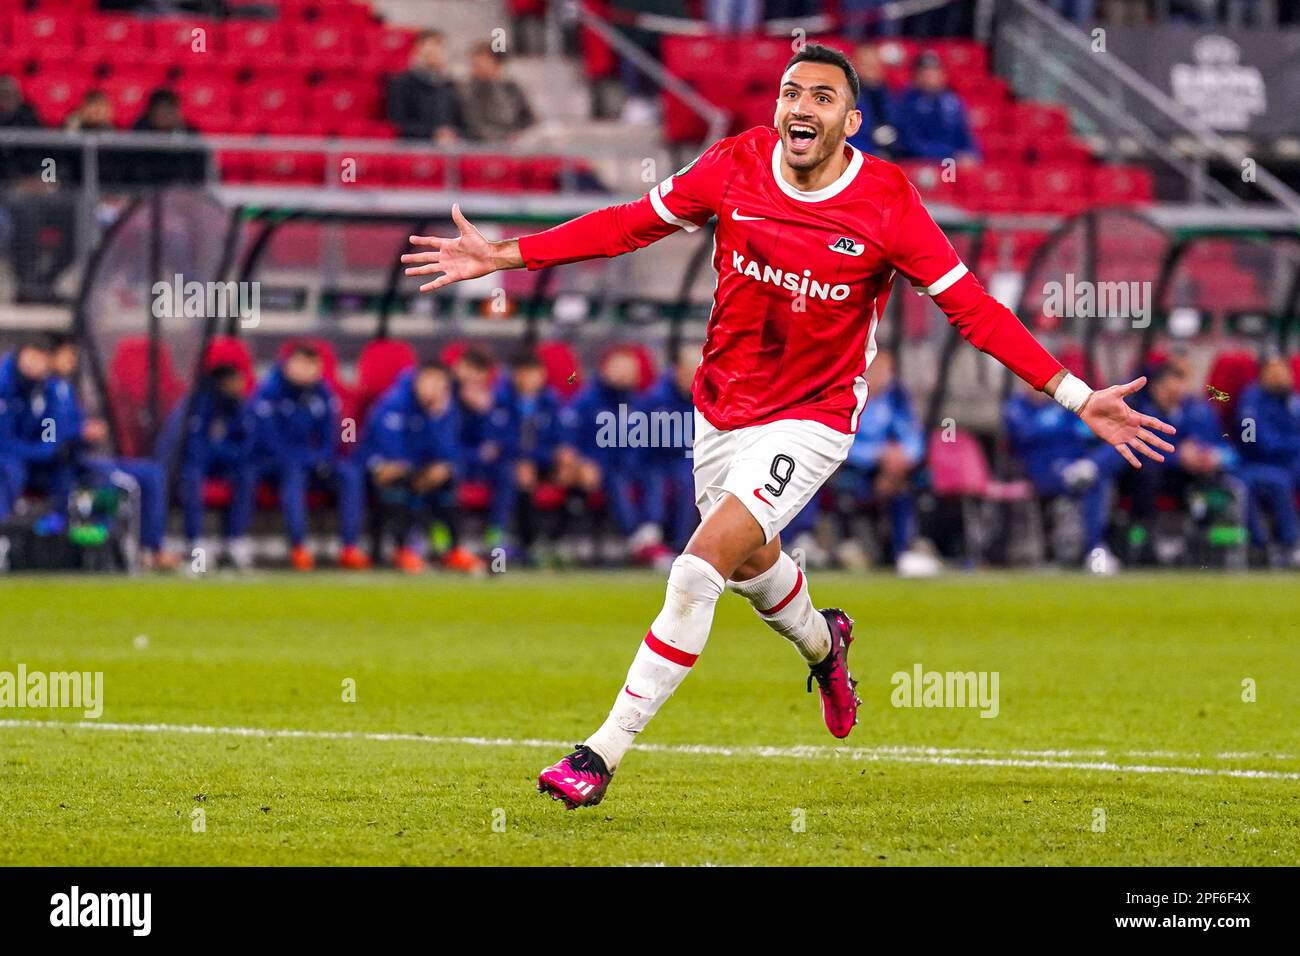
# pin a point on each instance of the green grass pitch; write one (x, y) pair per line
(1122, 735)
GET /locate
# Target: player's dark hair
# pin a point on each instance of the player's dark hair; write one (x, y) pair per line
(819, 53)
(58, 340)
(41, 343)
(431, 365)
(429, 35)
(526, 358)
(305, 349)
(477, 358)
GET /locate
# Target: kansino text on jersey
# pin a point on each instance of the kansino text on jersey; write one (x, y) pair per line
(790, 281)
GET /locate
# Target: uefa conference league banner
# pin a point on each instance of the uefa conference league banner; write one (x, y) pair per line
(1237, 81)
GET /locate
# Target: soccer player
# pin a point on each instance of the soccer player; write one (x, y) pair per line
(810, 233)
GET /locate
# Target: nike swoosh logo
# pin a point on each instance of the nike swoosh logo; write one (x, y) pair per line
(735, 214)
(758, 493)
(637, 696)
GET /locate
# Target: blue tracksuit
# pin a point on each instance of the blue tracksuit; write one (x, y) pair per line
(399, 430)
(669, 474)
(488, 455)
(1271, 462)
(534, 424)
(1047, 438)
(933, 125)
(211, 442)
(293, 433)
(887, 417)
(27, 459)
(591, 424)
(879, 107)
(1195, 421)
(148, 476)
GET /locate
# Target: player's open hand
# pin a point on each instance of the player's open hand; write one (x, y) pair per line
(1110, 418)
(468, 256)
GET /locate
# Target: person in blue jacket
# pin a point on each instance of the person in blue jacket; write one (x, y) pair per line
(487, 450)
(533, 410)
(932, 118)
(32, 458)
(411, 451)
(889, 445)
(1063, 460)
(1204, 455)
(598, 426)
(1269, 413)
(878, 134)
(293, 427)
(205, 438)
(83, 435)
(669, 498)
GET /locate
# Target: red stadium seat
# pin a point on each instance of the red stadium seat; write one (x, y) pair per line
(46, 31)
(207, 101)
(305, 168)
(1059, 187)
(1043, 121)
(421, 172)
(129, 370)
(491, 173)
(186, 43)
(1122, 185)
(114, 39)
(253, 43)
(387, 50)
(54, 93)
(991, 187)
(326, 45)
(278, 97)
(1231, 371)
(345, 100)
(561, 362)
(129, 96)
(380, 363)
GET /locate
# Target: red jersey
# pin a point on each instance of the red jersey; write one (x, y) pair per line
(803, 278)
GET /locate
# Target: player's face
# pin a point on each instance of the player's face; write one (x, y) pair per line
(64, 361)
(302, 370)
(621, 370)
(530, 379)
(432, 390)
(1276, 377)
(34, 364)
(814, 114)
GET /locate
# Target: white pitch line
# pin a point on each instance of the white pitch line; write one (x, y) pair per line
(897, 754)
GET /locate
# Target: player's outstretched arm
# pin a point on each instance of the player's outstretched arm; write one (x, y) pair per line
(1111, 420)
(468, 256)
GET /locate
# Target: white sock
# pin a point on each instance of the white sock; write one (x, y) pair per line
(780, 596)
(665, 657)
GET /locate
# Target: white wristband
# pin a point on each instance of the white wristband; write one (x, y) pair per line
(1072, 392)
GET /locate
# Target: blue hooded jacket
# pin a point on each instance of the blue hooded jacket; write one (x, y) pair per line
(1277, 427)
(27, 408)
(288, 424)
(399, 429)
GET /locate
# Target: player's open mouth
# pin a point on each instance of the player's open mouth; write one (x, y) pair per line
(800, 137)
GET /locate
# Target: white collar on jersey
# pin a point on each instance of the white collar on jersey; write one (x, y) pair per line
(816, 195)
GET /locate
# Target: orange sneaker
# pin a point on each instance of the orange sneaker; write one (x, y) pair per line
(301, 559)
(353, 558)
(461, 559)
(408, 560)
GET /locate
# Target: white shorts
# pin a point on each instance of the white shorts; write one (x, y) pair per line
(774, 469)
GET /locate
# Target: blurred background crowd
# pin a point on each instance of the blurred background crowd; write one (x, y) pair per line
(294, 144)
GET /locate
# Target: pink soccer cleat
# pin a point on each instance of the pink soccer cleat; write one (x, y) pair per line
(579, 780)
(838, 688)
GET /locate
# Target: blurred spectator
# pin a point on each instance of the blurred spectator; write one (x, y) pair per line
(292, 423)
(591, 422)
(642, 93)
(1269, 411)
(889, 445)
(1064, 462)
(1202, 459)
(486, 453)
(411, 453)
(533, 409)
(94, 112)
(932, 119)
(31, 458)
(669, 487)
(422, 101)
(879, 132)
(83, 438)
(162, 115)
(203, 439)
(494, 107)
(733, 16)
(14, 110)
